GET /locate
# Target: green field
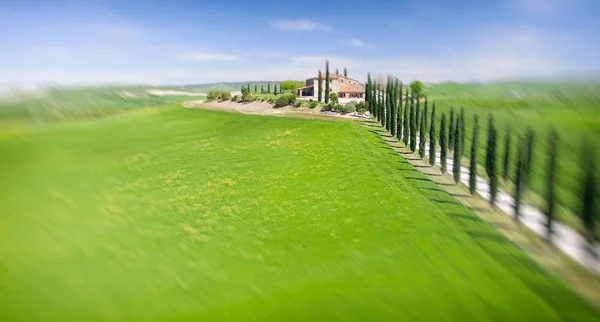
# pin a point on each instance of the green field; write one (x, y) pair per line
(168, 213)
(572, 109)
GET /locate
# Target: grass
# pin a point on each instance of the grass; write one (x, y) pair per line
(186, 214)
(571, 109)
(74, 104)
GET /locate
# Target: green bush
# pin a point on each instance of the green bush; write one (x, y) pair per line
(333, 98)
(236, 98)
(298, 104)
(225, 96)
(281, 101)
(312, 104)
(285, 100)
(345, 109)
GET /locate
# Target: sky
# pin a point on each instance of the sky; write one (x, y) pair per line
(177, 42)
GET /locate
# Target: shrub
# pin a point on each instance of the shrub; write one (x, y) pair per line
(344, 109)
(225, 96)
(333, 98)
(298, 104)
(281, 101)
(235, 98)
(312, 104)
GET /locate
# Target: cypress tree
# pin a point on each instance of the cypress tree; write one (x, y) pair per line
(493, 168)
(550, 196)
(405, 123)
(326, 81)
(488, 153)
(275, 89)
(399, 112)
(375, 100)
(380, 105)
(386, 105)
(473, 165)
(518, 182)
(368, 90)
(423, 131)
(337, 72)
(392, 121)
(320, 87)
(255, 88)
(529, 158)
(417, 116)
(451, 130)
(456, 165)
(422, 135)
(462, 131)
(588, 209)
(432, 137)
(345, 72)
(506, 155)
(262, 89)
(443, 143)
(413, 126)
(268, 88)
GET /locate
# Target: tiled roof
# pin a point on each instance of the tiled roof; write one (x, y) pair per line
(350, 88)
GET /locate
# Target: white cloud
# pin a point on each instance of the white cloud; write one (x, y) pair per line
(299, 25)
(355, 43)
(207, 57)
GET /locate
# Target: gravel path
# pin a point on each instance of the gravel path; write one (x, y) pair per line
(565, 238)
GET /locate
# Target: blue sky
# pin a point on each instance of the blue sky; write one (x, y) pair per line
(171, 42)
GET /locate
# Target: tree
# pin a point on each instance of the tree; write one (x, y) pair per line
(462, 131)
(518, 182)
(432, 137)
(290, 85)
(417, 116)
(506, 155)
(386, 106)
(255, 88)
(381, 107)
(529, 158)
(345, 72)
(417, 88)
(262, 89)
(392, 120)
(443, 143)
(491, 162)
(275, 89)
(423, 131)
(405, 124)
(457, 153)
(550, 185)
(588, 209)
(320, 87)
(413, 125)
(268, 88)
(488, 153)
(451, 130)
(333, 98)
(399, 112)
(327, 81)
(337, 72)
(473, 165)
(367, 90)
(375, 100)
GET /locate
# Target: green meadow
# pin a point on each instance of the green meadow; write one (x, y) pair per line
(169, 213)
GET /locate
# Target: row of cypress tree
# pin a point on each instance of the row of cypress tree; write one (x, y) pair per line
(262, 89)
(400, 113)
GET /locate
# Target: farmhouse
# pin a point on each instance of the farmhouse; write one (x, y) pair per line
(342, 86)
